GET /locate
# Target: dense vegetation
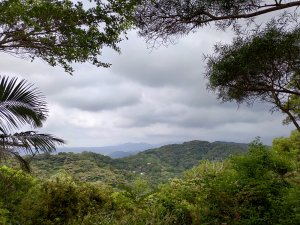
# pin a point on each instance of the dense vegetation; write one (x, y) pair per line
(259, 187)
(155, 165)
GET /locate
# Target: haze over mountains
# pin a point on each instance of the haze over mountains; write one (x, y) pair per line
(113, 151)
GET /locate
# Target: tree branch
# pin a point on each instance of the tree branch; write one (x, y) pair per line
(276, 7)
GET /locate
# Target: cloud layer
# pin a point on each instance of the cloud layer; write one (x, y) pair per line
(148, 95)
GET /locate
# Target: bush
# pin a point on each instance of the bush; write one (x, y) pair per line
(62, 200)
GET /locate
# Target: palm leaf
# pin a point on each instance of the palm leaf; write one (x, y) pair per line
(20, 104)
(29, 142)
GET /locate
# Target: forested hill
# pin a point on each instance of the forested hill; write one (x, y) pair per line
(157, 164)
(186, 155)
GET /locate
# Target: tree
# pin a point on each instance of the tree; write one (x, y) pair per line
(62, 200)
(22, 104)
(162, 19)
(253, 188)
(264, 66)
(261, 64)
(62, 32)
(14, 186)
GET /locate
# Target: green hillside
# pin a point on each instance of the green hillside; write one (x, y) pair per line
(85, 166)
(156, 165)
(169, 161)
(259, 187)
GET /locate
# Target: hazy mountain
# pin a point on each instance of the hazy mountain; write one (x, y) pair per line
(127, 148)
(121, 154)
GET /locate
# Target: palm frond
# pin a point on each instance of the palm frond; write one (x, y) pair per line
(20, 104)
(29, 142)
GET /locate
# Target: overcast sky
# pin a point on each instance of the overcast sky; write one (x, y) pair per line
(154, 96)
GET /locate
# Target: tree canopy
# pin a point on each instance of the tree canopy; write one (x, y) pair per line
(62, 32)
(161, 19)
(264, 66)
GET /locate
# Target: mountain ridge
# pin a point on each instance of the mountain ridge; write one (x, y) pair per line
(157, 164)
(125, 148)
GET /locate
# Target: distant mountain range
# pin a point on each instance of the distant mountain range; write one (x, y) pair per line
(114, 151)
(157, 165)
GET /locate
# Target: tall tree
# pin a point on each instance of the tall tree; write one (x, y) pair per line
(62, 32)
(264, 66)
(22, 104)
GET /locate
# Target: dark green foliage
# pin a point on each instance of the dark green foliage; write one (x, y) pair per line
(87, 166)
(62, 32)
(14, 186)
(249, 189)
(171, 160)
(63, 201)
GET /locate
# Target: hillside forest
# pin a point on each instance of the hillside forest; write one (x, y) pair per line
(193, 183)
(252, 184)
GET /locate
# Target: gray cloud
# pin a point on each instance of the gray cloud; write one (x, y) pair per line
(91, 98)
(178, 65)
(147, 95)
(192, 117)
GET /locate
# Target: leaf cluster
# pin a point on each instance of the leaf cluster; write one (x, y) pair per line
(62, 32)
